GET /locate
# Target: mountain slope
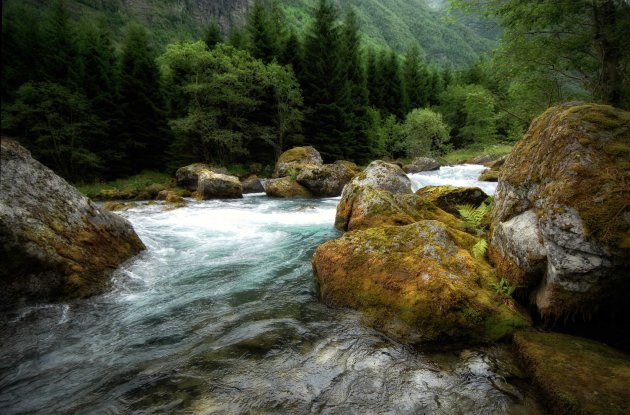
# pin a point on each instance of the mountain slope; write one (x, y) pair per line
(447, 39)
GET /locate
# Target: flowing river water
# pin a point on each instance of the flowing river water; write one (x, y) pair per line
(221, 315)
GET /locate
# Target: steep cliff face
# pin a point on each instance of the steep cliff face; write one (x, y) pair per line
(226, 12)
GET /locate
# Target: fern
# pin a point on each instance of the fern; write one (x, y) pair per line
(504, 288)
(474, 216)
(479, 249)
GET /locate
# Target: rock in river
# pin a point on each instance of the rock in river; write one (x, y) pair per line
(295, 159)
(55, 243)
(416, 283)
(562, 217)
(213, 185)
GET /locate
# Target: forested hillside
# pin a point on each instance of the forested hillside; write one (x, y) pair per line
(445, 39)
(94, 105)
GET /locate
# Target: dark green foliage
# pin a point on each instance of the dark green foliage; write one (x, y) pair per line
(145, 135)
(238, 38)
(59, 52)
(292, 52)
(355, 134)
(212, 34)
(415, 76)
(57, 126)
(21, 48)
(323, 81)
(393, 93)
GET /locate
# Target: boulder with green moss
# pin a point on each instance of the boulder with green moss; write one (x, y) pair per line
(576, 376)
(285, 187)
(54, 242)
(448, 198)
(293, 161)
(213, 185)
(568, 182)
(252, 184)
(379, 175)
(188, 176)
(327, 180)
(416, 283)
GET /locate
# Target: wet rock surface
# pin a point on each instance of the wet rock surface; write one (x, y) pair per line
(55, 243)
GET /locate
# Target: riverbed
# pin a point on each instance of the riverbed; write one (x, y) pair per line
(221, 315)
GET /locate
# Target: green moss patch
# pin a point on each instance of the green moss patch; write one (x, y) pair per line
(576, 375)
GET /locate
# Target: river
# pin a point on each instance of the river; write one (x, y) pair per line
(221, 315)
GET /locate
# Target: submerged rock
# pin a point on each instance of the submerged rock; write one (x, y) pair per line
(575, 375)
(252, 185)
(213, 185)
(449, 197)
(420, 164)
(567, 183)
(416, 283)
(188, 176)
(55, 243)
(285, 187)
(293, 161)
(327, 180)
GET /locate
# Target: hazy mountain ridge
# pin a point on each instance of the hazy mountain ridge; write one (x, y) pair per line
(446, 39)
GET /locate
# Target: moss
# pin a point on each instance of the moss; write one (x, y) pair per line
(576, 375)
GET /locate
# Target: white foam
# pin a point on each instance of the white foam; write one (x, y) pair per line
(464, 175)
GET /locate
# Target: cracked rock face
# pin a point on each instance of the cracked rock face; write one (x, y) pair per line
(54, 242)
(561, 226)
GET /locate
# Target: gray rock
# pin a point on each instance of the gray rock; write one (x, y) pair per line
(188, 176)
(252, 185)
(420, 164)
(213, 185)
(559, 220)
(54, 242)
(327, 180)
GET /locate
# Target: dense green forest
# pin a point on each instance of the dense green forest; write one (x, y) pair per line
(95, 108)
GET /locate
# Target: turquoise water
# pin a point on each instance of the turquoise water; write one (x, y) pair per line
(221, 315)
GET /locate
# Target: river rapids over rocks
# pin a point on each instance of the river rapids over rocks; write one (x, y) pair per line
(221, 316)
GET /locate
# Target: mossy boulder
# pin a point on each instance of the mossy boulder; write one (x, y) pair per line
(416, 283)
(294, 160)
(213, 185)
(113, 206)
(188, 176)
(571, 171)
(252, 184)
(490, 175)
(327, 180)
(378, 175)
(420, 164)
(371, 208)
(54, 242)
(576, 376)
(449, 197)
(285, 187)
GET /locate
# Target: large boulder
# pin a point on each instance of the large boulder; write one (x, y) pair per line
(448, 198)
(378, 175)
(416, 283)
(293, 161)
(188, 176)
(562, 218)
(252, 184)
(420, 164)
(285, 187)
(576, 375)
(54, 242)
(327, 180)
(213, 185)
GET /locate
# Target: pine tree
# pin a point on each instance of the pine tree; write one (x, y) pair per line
(374, 73)
(238, 38)
(292, 52)
(263, 26)
(145, 135)
(393, 96)
(323, 81)
(355, 140)
(59, 51)
(99, 81)
(414, 74)
(212, 34)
